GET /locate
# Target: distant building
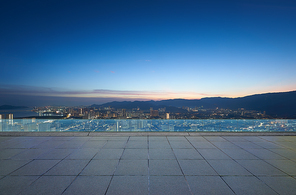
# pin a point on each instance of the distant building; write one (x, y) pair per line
(167, 115)
(51, 114)
(9, 116)
(154, 113)
(124, 112)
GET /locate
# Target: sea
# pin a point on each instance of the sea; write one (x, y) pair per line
(19, 113)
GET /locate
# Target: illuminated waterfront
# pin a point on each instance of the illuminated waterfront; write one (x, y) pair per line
(74, 125)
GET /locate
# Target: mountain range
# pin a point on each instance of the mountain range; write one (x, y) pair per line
(278, 105)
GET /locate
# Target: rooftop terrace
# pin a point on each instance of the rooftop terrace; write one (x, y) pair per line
(147, 163)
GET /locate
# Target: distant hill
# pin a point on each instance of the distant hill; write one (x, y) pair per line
(9, 107)
(281, 105)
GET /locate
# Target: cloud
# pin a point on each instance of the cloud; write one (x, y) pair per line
(147, 60)
(112, 72)
(97, 71)
(22, 90)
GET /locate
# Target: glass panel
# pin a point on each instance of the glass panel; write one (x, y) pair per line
(72, 125)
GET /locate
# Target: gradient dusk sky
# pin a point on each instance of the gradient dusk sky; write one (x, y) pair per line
(84, 52)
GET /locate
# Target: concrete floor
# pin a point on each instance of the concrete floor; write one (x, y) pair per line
(148, 165)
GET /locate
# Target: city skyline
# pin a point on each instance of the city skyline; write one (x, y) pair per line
(74, 52)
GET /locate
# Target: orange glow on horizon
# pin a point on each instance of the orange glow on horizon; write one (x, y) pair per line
(156, 96)
(136, 95)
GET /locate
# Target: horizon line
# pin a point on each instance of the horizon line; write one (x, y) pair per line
(33, 101)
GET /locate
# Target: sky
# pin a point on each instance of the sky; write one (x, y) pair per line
(83, 52)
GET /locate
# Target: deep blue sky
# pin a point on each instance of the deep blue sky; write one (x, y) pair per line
(163, 49)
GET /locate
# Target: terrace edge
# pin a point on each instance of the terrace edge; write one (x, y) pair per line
(130, 133)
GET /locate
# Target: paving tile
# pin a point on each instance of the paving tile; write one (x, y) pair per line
(247, 185)
(115, 144)
(287, 153)
(177, 138)
(137, 154)
(128, 185)
(208, 185)
(213, 154)
(90, 185)
(49, 144)
(225, 144)
(50, 185)
(99, 138)
(196, 139)
(137, 144)
(5, 139)
(80, 139)
(168, 185)
(157, 139)
(85, 153)
(109, 154)
(12, 144)
(247, 144)
(26, 144)
(137, 138)
(196, 167)
(273, 138)
(7, 144)
(238, 153)
(260, 167)
(228, 167)
(100, 167)
(57, 154)
(235, 138)
(164, 167)
(267, 144)
(8, 166)
(62, 138)
(201, 145)
(68, 167)
(8, 153)
(132, 167)
(159, 144)
(286, 166)
(187, 154)
(278, 153)
(94, 144)
(290, 145)
(254, 139)
(71, 144)
(264, 153)
(36, 167)
(41, 138)
(180, 144)
(16, 139)
(282, 185)
(123, 139)
(15, 184)
(215, 138)
(161, 154)
(32, 153)
(290, 138)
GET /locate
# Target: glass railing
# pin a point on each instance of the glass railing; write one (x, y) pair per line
(120, 125)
